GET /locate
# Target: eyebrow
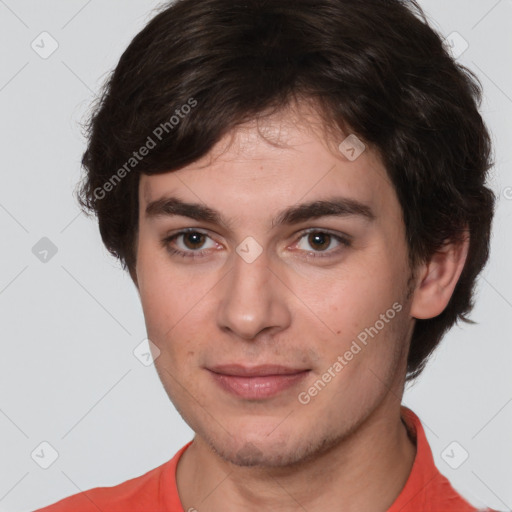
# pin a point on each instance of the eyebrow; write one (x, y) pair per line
(336, 207)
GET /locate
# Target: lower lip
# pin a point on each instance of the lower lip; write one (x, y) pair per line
(255, 388)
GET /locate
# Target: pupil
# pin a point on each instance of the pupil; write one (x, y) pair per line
(197, 240)
(320, 239)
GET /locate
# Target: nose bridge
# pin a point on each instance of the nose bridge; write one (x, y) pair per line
(252, 297)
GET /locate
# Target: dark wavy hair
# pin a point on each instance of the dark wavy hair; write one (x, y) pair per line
(373, 68)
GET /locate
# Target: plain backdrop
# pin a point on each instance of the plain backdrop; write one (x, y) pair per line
(70, 317)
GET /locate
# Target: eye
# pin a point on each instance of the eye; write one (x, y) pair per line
(188, 241)
(321, 241)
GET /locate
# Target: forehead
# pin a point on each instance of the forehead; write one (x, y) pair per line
(277, 160)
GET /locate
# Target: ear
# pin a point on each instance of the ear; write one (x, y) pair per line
(437, 279)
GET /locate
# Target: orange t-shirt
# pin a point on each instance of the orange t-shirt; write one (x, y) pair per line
(426, 489)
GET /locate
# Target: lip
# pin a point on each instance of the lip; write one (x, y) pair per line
(257, 382)
(240, 370)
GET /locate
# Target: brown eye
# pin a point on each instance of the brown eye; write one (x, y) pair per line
(188, 243)
(319, 241)
(193, 240)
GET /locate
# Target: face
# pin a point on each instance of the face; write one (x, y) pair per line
(230, 285)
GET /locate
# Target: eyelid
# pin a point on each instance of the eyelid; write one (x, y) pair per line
(344, 239)
(166, 243)
(332, 232)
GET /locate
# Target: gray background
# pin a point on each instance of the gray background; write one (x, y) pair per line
(68, 375)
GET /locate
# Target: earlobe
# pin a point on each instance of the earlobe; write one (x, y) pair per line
(437, 279)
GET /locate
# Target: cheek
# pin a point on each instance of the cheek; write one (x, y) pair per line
(364, 312)
(172, 315)
(356, 296)
(158, 285)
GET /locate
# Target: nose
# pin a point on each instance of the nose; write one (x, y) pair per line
(254, 298)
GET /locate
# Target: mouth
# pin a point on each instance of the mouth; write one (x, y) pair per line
(257, 382)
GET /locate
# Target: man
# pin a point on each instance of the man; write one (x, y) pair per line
(297, 189)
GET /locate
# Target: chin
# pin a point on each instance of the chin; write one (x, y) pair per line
(274, 451)
(249, 454)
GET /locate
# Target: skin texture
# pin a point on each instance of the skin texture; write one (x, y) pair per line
(346, 449)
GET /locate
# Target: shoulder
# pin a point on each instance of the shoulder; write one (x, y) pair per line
(139, 493)
(427, 488)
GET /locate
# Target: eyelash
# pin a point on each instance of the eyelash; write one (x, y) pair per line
(166, 242)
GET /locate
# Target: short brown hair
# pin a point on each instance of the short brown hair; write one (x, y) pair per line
(376, 69)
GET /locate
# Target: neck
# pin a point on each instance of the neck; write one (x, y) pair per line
(365, 471)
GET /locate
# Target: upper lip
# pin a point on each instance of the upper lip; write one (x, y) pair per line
(254, 371)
